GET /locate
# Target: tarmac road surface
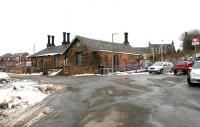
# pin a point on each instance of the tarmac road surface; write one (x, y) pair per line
(147, 100)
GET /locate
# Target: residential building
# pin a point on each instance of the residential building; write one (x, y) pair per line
(156, 49)
(51, 58)
(86, 55)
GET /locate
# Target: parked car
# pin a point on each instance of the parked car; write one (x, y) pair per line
(183, 67)
(161, 67)
(194, 75)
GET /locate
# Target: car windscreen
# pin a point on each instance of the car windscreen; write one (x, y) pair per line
(157, 64)
(180, 63)
(196, 65)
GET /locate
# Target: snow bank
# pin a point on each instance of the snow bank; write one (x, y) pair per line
(138, 72)
(56, 72)
(84, 75)
(40, 73)
(3, 75)
(131, 73)
(18, 101)
(22, 93)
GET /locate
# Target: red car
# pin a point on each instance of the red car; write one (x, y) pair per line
(183, 66)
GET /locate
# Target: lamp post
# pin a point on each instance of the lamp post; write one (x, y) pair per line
(113, 53)
(152, 49)
(161, 51)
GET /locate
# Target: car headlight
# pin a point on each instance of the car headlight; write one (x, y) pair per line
(193, 75)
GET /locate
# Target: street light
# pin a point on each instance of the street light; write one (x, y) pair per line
(161, 51)
(113, 53)
(152, 49)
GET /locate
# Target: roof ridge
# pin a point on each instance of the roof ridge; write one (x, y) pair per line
(100, 40)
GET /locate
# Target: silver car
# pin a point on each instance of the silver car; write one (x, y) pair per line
(161, 67)
(194, 75)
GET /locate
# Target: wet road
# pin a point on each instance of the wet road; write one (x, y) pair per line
(147, 100)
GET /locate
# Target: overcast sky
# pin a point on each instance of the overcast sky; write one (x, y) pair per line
(24, 23)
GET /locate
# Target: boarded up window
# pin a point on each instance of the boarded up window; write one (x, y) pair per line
(40, 63)
(55, 62)
(106, 60)
(78, 58)
(66, 60)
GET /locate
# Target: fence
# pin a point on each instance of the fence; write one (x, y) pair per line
(130, 67)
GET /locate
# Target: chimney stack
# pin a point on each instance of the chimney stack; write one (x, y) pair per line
(52, 37)
(186, 34)
(64, 38)
(49, 38)
(68, 38)
(126, 38)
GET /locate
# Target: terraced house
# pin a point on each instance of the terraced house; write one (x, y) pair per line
(86, 55)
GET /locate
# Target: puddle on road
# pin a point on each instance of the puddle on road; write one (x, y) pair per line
(123, 81)
(131, 84)
(118, 115)
(107, 95)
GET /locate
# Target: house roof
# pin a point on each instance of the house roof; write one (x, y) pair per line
(18, 54)
(142, 50)
(50, 51)
(7, 55)
(161, 44)
(99, 45)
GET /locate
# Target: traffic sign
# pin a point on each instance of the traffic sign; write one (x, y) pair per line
(195, 41)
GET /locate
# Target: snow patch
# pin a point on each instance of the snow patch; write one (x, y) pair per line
(21, 93)
(56, 72)
(49, 54)
(40, 73)
(3, 75)
(139, 72)
(77, 75)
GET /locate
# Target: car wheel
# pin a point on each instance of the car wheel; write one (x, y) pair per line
(175, 72)
(185, 72)
(161, 71)
(171, 70)
(150, 72)
(189, 82)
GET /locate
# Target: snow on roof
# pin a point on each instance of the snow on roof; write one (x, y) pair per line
(54, 50)
(49, 54)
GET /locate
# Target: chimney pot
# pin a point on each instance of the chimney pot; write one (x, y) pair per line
(64, 38)
(68, 38)
(52, 37)
(172, 42)
(49, 39)
(126, 38)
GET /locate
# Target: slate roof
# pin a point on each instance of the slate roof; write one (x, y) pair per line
(161, 44)
(7, 55)
(53, 50)
(99, 45)
(18, 54)
(142, 50)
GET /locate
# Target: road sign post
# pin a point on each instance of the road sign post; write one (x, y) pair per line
(195, 42)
